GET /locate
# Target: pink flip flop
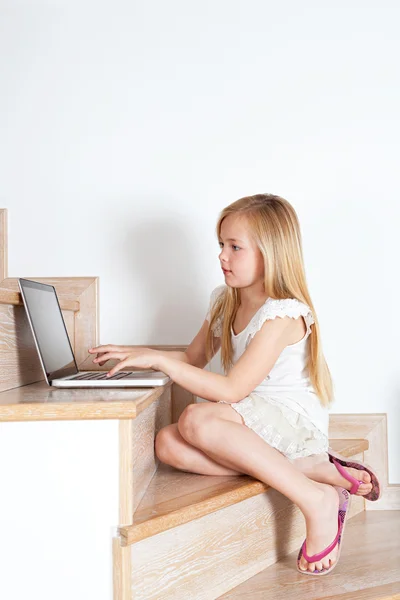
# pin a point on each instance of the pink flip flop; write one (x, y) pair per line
(338, 460)
(344, 508)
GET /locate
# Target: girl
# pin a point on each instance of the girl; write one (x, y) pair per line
(268, 415)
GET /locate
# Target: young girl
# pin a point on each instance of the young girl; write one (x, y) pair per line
(268, 415)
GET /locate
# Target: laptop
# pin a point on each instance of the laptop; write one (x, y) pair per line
(55, 350)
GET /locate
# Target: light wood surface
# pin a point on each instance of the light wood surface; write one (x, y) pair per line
(40, 402)
(379, 592)
(181, 398)
(138, 461)
(210, 555)
(19, 360)
(121, 571)
(126, 474)
(175, 497)
(10, 294)
(368, 568)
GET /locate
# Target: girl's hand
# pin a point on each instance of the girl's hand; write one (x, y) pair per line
(102, 350)
(142, 358)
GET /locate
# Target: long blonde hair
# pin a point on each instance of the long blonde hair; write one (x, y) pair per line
(274, 226)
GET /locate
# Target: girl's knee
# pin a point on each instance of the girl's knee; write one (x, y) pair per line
(191, 425)
(163, 442)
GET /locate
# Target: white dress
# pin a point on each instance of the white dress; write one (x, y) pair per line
(283, 409)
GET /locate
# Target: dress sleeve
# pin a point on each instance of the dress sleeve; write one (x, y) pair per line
(288, 307)
(217, 328)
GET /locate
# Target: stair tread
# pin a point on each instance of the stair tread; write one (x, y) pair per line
(368, 567)
(174, 497)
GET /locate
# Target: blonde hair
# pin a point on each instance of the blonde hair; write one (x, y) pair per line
(274, 226)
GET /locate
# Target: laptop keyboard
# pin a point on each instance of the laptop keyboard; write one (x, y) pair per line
(119, 375)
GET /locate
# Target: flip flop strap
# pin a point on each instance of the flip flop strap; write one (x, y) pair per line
(317, 557)
(356, 482)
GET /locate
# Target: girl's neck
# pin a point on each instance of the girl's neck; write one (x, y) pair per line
(252, 301)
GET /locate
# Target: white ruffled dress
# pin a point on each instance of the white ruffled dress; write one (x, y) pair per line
(284, 409)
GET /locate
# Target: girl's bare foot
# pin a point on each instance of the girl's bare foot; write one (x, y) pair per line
(364, 476)
(319, 468)
(322, 528)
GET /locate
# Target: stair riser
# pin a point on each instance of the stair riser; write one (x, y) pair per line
(211, 555)
(138, 461)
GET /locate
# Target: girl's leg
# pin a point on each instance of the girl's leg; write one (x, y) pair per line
(319, 468)
(237, 447)
(173, 450)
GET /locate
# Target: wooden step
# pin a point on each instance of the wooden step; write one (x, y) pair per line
(175, 497)
(368, 567)
(197, 536)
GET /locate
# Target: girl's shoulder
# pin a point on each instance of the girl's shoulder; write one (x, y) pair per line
(286, 307)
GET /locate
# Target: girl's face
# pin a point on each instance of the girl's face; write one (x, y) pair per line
(239, 254)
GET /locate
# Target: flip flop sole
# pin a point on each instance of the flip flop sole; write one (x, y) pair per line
(376, 491)
(343, 511)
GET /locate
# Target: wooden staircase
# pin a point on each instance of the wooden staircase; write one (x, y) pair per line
(202, 537)
(183, 535)
(368, 567)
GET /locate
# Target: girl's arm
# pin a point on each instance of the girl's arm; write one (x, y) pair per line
(249, 371)
(210, 386)
(195, 353)
(191, 375)
(176, 355)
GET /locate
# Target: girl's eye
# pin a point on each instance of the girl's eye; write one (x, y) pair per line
(233, 246)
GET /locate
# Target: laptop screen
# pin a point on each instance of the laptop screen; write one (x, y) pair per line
(48, 326)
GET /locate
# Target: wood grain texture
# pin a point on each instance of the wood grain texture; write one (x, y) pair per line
(19, 360)
(121, 571)
(138, 461)
(86, 322)
(379, 592)
(181, 398)
(125, 472)
(175, 497)
(40, 402)
(68, 298)
(208, 556)
(368, 568)
(145, 429)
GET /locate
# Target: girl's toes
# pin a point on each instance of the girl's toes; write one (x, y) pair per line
(366, 477)
(303, 564)
(364, 488)
(326, 563)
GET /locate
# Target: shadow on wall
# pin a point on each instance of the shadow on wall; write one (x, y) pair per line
(165, 259)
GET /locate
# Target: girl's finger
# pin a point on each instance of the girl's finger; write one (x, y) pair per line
(114, 370)
(108, 355)
(100, 357)
(106, 348)
(104, 356)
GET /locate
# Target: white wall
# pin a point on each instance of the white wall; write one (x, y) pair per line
(125, 129)
(58, 509)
